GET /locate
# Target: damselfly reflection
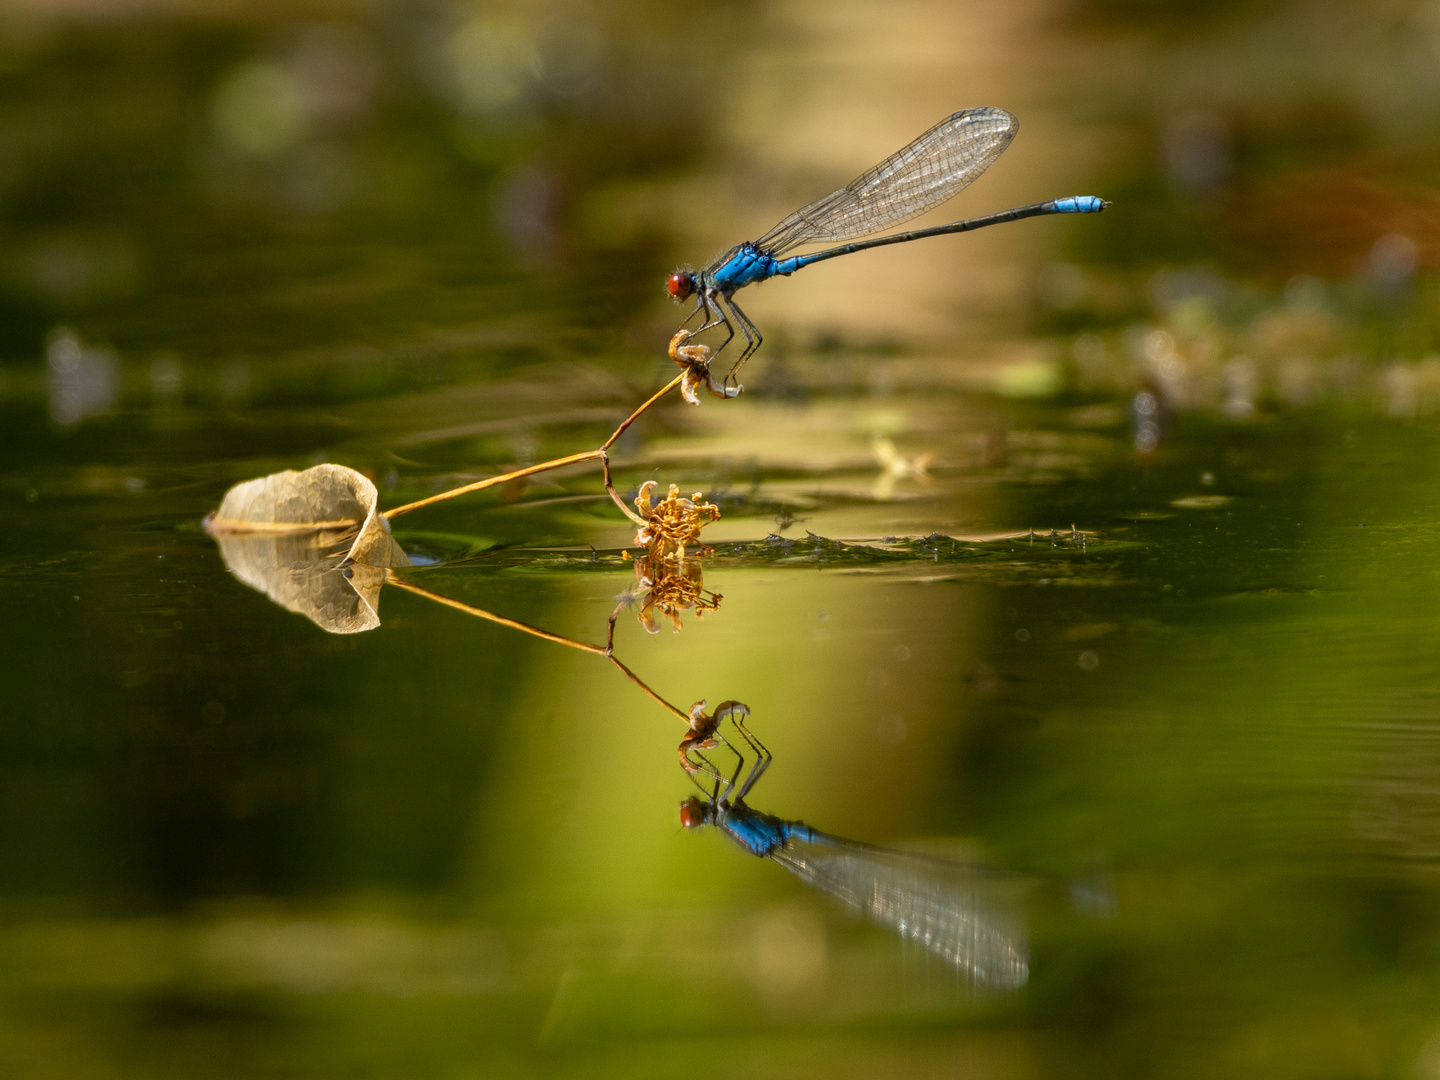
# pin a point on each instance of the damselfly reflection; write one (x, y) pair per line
(954, 910)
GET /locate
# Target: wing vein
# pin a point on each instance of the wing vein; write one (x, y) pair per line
(945, 908)
(932, 169)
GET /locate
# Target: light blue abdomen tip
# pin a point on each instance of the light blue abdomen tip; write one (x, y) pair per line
(1080, 204)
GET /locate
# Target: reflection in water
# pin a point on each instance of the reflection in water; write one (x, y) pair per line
(896, 466)
(704, 734)
(82, 381)
(950, 908)
(671, 587)
(381, 857)
(607, 650)
(311, 541)
(315, 543)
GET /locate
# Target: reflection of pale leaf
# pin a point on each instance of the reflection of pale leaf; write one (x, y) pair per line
(313, 542)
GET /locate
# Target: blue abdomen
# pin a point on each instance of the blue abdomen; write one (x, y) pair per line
(1079, 204)
(743, 268)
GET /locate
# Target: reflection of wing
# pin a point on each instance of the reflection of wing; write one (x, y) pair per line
(950, 909)
(932, 169)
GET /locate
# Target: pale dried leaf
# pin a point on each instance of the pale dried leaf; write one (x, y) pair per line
(313, 542)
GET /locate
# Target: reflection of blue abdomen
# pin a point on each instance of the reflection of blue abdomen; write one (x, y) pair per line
(760, 834)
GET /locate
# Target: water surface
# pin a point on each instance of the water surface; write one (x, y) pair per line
(1174, 687)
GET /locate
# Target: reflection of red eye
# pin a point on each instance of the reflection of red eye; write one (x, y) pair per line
(680, 286)
(691, 813)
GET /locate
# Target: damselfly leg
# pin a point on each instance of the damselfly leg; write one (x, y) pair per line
(718, 309)
(703, 735)
(762, 755)
(701, 304)
(721, 316)
(753, 338)
(718, 792)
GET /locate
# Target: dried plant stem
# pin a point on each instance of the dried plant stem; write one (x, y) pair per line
(605, 650)
(573, 459)
(215, 525)
(615, 495)
(651, 693)
(671, 385)
(504, 478)
(392, 578)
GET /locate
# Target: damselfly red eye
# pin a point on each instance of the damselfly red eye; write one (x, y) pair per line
(680, 286)
(692, 812)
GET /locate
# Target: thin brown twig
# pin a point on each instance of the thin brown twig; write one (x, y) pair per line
(394, 579)
(215, 525)
(505, 478)
(671, 385)
(544, 466)
(603, 455)
(642, 685)
(597, 650)
(615, 495)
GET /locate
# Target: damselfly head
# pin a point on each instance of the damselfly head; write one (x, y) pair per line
(692, 812)
(680, 285)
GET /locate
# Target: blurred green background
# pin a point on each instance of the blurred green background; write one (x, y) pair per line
(428, 240)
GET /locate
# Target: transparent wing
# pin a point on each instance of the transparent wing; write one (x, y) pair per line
(932, 169)
(950, 909)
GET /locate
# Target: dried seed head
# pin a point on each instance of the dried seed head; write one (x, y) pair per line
(695, 359)
(672, 524)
